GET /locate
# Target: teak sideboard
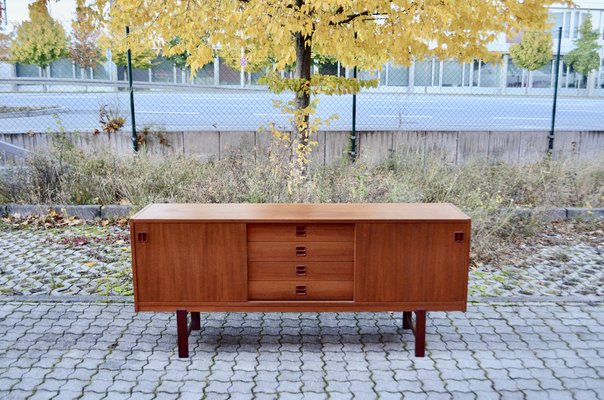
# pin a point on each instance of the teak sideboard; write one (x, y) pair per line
(410, 258)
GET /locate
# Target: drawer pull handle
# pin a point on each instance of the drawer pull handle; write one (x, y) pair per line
(301, 270)
(300, 290)
(300, 251)
(300, 231)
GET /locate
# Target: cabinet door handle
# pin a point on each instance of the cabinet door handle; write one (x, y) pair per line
(301, 270)
(300, 251)
(301, 290)
(300, 231)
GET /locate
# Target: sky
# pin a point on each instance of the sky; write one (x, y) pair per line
(61, 10)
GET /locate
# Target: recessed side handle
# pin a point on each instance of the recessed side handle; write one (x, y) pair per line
(300, 251)
(459, 237)
(141, 237)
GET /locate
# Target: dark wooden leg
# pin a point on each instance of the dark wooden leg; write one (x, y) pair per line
(195, 321)
(406, 320)
(182, 332)
(420, 333)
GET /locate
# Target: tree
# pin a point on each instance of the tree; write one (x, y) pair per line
(365, 34)
(584, 58)
(39, 40)
(4, 38)
(180, 59)
(113, 39)
(85, 50)
(142, 59)
(533, 51)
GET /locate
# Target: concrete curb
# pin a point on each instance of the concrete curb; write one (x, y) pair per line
(119, 211)
(585, 213)
(115, 211)
(550, 214)
(82, 212)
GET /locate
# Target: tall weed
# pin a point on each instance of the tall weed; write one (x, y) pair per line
(485, 191)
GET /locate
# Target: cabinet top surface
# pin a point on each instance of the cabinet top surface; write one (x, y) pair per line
(341, 212)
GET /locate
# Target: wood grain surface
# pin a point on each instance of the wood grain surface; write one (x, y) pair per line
(307, 213)
(191, 262)
(290, 270)
(300, 257)
(313, 251)
(411, 262)
(313, 290)
(300, 232)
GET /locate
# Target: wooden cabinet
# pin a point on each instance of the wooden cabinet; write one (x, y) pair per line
(417, 263)
(177, 263)
(300, 257)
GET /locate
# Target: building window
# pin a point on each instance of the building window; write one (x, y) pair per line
(601, 81)
(557, 18)
(423, 73)
(577, 17)
(452, 73)
(566, 25)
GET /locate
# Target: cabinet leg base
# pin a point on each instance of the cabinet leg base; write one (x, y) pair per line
(407, 320)
(195, 321)
(183, 329)
(418, 329)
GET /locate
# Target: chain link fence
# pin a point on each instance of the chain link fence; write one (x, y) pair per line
(431, 95)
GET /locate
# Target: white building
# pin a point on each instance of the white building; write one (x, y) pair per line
(436, 76)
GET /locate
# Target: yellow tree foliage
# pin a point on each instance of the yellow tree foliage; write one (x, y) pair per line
(39, 40)
(400, 31)
(113, 38)
(85, 50)
(365, 33)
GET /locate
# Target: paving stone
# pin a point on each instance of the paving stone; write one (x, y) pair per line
(43, 394)
(67, 395)
(221, 367)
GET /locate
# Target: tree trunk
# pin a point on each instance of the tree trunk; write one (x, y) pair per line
(303, 63)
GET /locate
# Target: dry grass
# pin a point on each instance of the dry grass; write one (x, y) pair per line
(67, 176)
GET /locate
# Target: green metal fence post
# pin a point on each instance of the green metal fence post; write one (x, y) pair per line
(550, 145)
(353, 134)
(132, 113)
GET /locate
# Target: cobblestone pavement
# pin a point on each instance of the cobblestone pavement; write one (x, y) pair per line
(94, 350)
(95, 260)
(560, 270)
(76, 260)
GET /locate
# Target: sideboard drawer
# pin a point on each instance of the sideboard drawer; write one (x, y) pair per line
(291, 270)
(300, 251)
(300, 290)
(300, 232)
